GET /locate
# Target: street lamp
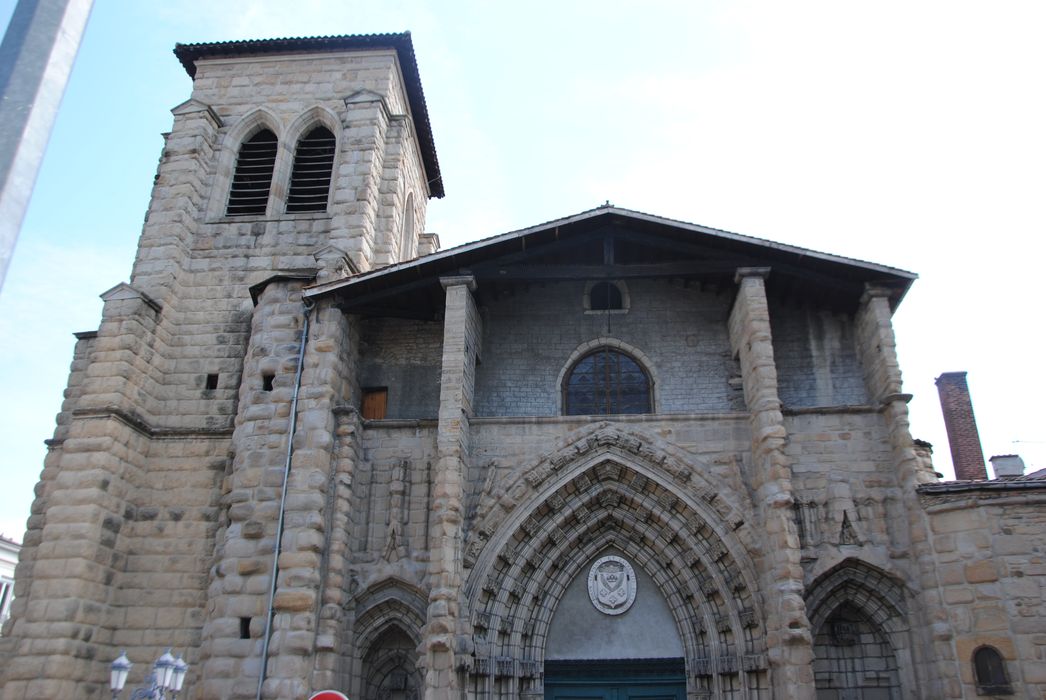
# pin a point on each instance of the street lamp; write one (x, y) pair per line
(168, 674)
(118, 673)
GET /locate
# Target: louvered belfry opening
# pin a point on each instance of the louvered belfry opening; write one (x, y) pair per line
(252, 180)
(311, 175)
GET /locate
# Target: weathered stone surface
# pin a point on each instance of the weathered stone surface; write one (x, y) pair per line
(772, 494)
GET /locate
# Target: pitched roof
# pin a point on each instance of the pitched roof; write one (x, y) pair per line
(188, 54)
(683, 250)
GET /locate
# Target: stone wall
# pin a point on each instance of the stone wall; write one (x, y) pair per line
(403, 356)
(771, 495)
(816, 355)
(530, 338)
(988, 550)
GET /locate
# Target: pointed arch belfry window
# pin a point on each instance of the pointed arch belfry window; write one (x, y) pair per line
(606, 381)
(252, 179)
(311, 172)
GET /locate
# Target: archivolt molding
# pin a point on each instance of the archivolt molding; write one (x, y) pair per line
(388, 604)
(879, 596)
(250, 123)
(313, 116)
(499, 510)
(876, 593)
(609, 490)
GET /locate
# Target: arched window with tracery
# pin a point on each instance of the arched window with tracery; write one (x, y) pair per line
(606, 381)
(311, 172)
(252, 179)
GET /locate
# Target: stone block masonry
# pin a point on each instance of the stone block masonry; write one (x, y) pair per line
(213, 484)
(789, 637)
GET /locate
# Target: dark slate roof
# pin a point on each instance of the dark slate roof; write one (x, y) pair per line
(188, 54)
(670, 245)
(1035, 480)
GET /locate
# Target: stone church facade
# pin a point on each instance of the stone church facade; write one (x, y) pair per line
(608, 455)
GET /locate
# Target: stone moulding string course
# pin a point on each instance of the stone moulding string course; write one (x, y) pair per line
(283, 499)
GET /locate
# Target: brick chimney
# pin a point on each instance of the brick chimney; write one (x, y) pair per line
(967, 456)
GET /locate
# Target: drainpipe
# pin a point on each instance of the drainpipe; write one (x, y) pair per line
(283, 501)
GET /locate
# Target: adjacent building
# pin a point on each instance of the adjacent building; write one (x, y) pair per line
(8, 559)
(608, 455)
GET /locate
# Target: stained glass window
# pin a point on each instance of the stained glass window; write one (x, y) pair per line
(606, 381)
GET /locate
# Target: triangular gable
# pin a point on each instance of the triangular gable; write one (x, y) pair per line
(612, 243)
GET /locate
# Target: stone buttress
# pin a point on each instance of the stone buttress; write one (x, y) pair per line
(787, 628)
(461, 337)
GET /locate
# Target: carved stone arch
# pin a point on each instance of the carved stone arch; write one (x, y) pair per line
(389, 599)
(612, 503)
(528, 551)
(871, 597)
(386, 636)
(618, 344)
(878, 594)
(697, 613)
(313, 116)
(228, 150)
(500, 512)
(317, 115)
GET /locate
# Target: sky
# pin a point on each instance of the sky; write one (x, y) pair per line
(908, 133)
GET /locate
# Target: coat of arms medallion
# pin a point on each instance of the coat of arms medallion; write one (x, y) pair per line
(612, 585)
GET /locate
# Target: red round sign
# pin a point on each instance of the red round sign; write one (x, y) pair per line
(328, 695)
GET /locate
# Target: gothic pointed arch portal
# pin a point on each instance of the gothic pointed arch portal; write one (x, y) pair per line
(614, 492)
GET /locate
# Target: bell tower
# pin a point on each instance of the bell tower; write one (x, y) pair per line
(293, 162)
(291, 145)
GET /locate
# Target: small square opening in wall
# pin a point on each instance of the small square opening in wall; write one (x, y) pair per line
(245, 628)
(375, 403)
(267, 380)
(211, 383)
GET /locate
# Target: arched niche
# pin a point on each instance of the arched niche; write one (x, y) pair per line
(382, 659)
(390, 670)
(862, 643)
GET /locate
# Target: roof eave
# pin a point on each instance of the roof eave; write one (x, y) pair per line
(902, 279)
